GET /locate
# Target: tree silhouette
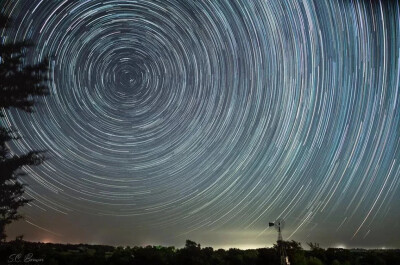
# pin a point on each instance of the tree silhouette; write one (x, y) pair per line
(19, 85)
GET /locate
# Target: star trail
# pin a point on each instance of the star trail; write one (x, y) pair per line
(205, 120)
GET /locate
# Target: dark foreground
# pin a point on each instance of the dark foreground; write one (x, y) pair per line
(22, 252)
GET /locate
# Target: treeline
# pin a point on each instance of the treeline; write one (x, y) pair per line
(18, 251)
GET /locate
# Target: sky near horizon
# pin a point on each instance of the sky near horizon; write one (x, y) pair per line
(205, 120)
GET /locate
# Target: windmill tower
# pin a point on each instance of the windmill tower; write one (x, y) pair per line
(279, 224)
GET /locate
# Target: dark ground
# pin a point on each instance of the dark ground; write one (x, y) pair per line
(23, 252)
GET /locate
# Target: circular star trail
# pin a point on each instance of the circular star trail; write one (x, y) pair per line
(196, 116)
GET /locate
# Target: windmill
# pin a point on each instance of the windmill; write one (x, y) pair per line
(279, 225)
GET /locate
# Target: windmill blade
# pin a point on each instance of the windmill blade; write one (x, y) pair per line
(280, 223)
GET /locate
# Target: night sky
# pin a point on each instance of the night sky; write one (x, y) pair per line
(205, 120)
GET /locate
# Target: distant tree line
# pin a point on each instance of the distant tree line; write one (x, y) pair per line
(191, 254)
